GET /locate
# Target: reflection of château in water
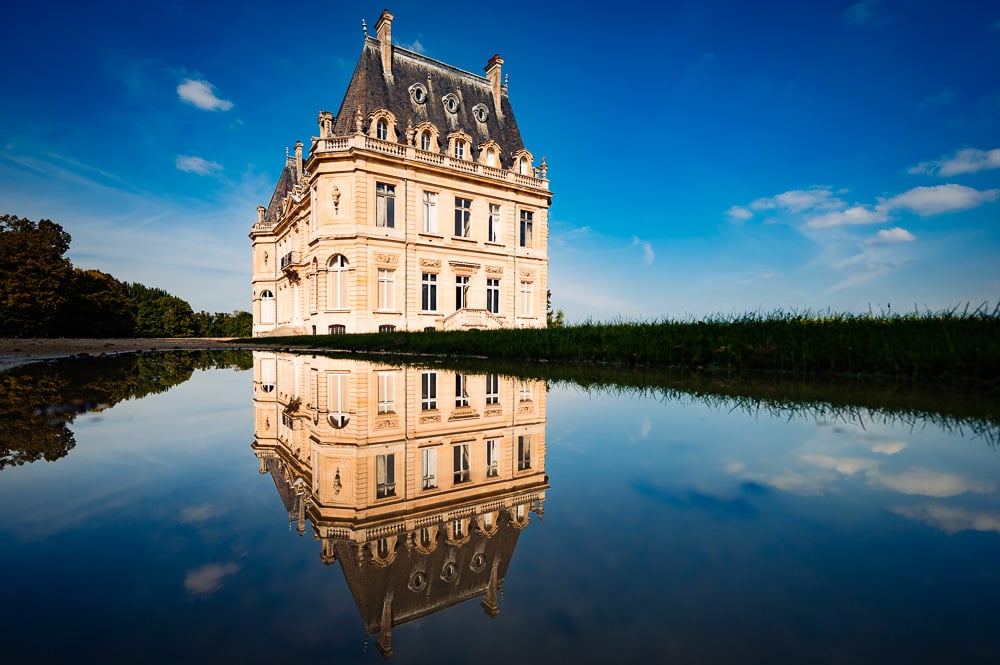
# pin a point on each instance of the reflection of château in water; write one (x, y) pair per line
(417, 480)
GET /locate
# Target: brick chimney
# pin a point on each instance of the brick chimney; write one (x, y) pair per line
(493, 76)
(384, 31)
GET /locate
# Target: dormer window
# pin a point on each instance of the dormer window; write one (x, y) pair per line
(459, 149)
(450, 102)
(382, 130)
(480, 112)
(491, 158)
(425, 141)
(418, 93)
(522, 166)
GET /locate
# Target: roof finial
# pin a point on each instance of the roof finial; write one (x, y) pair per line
(364, 27)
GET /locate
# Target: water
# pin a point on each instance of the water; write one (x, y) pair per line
(198, 508)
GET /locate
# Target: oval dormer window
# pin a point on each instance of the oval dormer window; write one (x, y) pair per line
(338, 420)
(481, 112)
(450, 102)
(418, 93)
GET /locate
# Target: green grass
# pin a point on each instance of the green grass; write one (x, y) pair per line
(953, 345)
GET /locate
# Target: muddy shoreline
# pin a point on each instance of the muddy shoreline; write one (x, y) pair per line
(16, 352)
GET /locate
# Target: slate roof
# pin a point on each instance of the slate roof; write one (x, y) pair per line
(286, 181)
(370, 90)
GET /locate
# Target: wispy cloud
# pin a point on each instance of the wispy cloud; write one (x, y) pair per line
(648, 255)
(951, 519)
(800, 200)
(202, 94)
(416, 46)
(940, 99)
(739, 214)
(208, 579)
(853, 216)
(927, 482)
(197, 165)
(859, 13)
(969, 160)
(891, 237)
(926, 201)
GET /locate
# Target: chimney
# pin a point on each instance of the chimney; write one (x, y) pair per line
(260, 220)
(298, 161)
(493, 76)
(384, 31)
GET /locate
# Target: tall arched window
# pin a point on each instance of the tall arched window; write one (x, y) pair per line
(267, 307)
(522, 166)
(425, 141)
(336, 282)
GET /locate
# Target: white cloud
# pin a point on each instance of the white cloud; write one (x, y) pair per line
(800, 200)
(969, 160)
(889, 447)
(208, 579)
(951, 519)
(739, 214)
(202, 94)
(416, 46)
(931, 483)
(845, 465)
(648, 255)
(197, 165)
(853, 216)
(202, 513)
(891, 236)
(939, 199)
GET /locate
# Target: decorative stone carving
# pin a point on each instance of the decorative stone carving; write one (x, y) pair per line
(388, 259)
(494, 270)
(430, 263)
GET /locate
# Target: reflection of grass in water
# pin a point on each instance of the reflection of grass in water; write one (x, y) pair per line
(952, 345)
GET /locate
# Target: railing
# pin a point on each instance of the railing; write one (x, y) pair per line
(288, 260)
(465, 319)
(361, 141)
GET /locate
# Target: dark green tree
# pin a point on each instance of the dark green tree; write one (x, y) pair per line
(553, 319)
(35, 277)
(100, 307)
(159, 314)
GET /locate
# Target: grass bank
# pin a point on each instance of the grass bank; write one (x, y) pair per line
(954, 345)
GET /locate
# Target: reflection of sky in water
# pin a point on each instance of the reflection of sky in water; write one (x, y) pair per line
(672, 532)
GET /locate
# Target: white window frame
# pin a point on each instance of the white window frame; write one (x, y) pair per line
(527, 228)
(428, 391)
(492, 457)
(459, 149)
(493, 295)
(492, 388)
(461, 292)
(463, 217)
(527, 298)
(523, 452)
(386, 392)
(461, 391)
(428, 468)
(336, 282)
(430, 202)
(462, 471)
(382, 129)
(493, 231)
(385, 205)
(386, 289)
(385, 475)
(428, 292)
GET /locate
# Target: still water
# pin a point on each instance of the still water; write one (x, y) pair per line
(237, 508)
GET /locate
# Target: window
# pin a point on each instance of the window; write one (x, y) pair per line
(386, 392)
(450, 102)
(428, 391)
(523, 452)
(493, 295)
(430, 212)
(492, 461)
(385, 205)
(461, 291)
(418, 93)
(425, 141)
(480, 112)
(338, 329)
(527, 228)
(461, 454)
(428, 468)
(386, 327)
(336, 282)
(527, 298)
(382, 129)
(428, 292)
(493, 224)
(386, 289)
(525, 391)
(522, 166)
(268, 368)
(463, 217)
(385, 476)
(267, 307)
(336, 400)
(382, 548)
(461, 390)
(492, 388)
(459, 149)
(491, 158)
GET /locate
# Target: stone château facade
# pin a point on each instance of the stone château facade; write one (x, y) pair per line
(417, 207)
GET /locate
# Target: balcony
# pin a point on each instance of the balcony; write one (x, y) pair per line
(472, 319)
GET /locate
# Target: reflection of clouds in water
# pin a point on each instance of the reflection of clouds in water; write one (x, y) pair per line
(931, 483)
(845, 465)
(208, 579)
(888, 447)
(951, 519)
(203, 513)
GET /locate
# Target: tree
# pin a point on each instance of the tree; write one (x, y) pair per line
(100, 307)
(35, 277)
(553, 319)
(159, 314)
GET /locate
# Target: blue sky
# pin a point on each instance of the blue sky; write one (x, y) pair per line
(705, 157)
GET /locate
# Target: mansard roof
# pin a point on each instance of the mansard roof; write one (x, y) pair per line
(286, 181)
(370, 90)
